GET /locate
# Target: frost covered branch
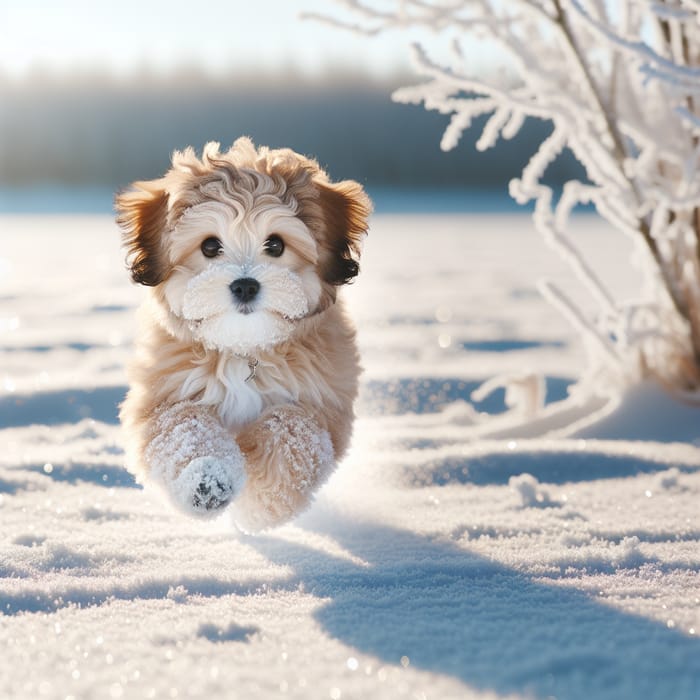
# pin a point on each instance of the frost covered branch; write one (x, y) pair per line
(620, 84)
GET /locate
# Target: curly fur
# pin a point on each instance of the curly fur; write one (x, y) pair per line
(195, 421)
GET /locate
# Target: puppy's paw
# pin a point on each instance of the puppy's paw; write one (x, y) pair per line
(208, 484)
(212, 493)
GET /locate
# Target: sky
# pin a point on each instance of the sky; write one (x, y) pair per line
(219, 36)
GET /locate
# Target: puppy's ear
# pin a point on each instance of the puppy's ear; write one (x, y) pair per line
(142, 215)
(346, 209)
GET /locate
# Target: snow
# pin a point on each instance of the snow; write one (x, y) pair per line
(448, 557)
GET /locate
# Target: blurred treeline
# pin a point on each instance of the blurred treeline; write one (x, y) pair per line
(108, 132)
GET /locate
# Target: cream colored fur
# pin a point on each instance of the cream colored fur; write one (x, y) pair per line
(194, 421)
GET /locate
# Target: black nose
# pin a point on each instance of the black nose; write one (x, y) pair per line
(245, 289)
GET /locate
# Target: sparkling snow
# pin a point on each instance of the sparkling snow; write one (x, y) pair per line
(440, 561)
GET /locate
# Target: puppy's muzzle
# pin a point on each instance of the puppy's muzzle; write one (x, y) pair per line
(245, 289)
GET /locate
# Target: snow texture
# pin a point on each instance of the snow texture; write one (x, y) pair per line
(531, 493)
(419, 571)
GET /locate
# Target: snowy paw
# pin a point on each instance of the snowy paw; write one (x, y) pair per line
(211, 494)
(208, 484)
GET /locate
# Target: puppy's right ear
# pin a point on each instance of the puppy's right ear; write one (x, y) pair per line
(142, 215)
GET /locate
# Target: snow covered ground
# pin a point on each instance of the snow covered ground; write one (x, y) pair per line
(441, 561)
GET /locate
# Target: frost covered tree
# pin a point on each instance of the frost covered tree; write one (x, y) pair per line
(619, 80)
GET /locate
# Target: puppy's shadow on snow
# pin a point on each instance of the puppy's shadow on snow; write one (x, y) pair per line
(395, 593)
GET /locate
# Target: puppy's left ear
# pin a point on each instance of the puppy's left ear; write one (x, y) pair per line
(346, 209)
(142, 215)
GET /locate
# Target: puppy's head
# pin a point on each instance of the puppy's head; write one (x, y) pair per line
(242, 245)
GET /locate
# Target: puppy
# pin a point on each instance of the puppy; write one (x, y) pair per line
(246, 366)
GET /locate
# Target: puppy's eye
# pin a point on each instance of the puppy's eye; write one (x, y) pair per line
(211, 247)
(274, 246)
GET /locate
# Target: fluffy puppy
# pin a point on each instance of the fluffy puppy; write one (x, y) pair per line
(246, 365)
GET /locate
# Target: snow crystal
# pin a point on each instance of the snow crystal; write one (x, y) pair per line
(627, 554)
(177, 593)
(531, 493)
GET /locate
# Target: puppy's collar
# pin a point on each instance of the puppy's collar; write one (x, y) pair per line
(252, 365)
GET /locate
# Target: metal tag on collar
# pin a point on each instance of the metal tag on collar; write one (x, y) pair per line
(252, 366)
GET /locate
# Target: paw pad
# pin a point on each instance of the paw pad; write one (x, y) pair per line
(208, 484)
(211, 495)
